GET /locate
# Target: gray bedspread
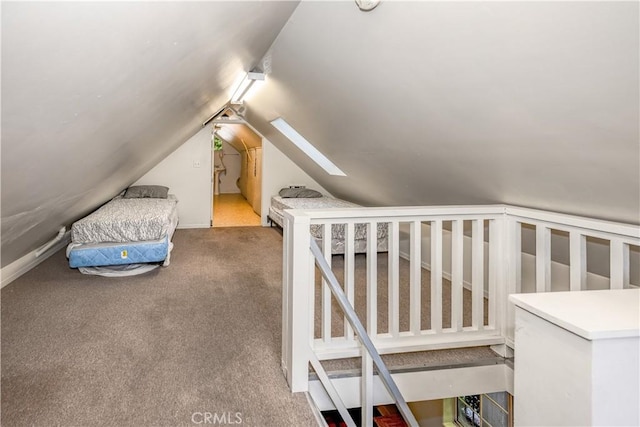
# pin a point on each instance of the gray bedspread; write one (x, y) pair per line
(338, 231)
(127, 220)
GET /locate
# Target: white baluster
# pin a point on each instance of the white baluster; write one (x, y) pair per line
(516, 274)
(496, 271)
(436, 275)
(619, 268)
(577, 261)
(477, 274)
(457, 265)
(394, 279)
(366, 389)
(415, 276)
(326, 292)
(543, 258)
(349, 273)
(372, 279)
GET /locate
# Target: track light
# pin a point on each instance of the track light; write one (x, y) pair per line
(245, 85)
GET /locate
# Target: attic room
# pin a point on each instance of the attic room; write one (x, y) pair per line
(483, 163)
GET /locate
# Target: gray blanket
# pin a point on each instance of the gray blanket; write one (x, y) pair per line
(126, 220)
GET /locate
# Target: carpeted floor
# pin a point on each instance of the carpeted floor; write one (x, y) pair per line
(360, 297)
(202, 336)
(400, 360)
(162, 349)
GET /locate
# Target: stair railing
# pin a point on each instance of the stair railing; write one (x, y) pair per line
(370, 356)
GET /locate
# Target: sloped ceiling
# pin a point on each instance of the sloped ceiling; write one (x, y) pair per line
(527, 103)
(239, 136)
(94, 94)
(420, 103)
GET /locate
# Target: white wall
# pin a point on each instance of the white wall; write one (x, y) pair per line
(571, 370)
(192, 185)
(279, 171)
(187, 172)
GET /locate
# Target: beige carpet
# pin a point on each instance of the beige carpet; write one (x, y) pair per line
(337, 317)
(202, 335)
(233, 210)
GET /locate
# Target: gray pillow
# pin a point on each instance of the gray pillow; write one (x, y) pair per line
(146, 191)
(296, 193)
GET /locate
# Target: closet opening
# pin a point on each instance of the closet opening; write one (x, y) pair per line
(237, 174)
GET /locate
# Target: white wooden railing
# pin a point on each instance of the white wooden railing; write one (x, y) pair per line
(478, 254)
(370, 357)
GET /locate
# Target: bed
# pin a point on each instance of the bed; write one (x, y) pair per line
(131, 234)
(279, 204)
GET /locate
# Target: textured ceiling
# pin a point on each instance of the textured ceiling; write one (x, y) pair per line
(526, 103)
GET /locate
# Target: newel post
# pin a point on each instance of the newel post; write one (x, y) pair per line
(504, 256)
(297, 299)
(512, 273)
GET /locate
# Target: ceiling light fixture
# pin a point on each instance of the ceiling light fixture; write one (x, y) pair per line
(306, 147)
(246, 83)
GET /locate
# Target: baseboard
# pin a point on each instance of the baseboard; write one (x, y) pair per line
(11, 272)
(181, 226)
(445, 274)
(599, 282)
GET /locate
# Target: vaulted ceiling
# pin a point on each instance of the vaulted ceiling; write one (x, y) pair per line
(94, 94)
(419, 103)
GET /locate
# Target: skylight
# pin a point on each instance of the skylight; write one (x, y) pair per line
(306, 147)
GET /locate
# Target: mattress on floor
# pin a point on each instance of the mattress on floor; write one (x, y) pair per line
(103, 254)
(127, 220)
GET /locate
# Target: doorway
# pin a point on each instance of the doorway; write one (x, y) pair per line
(233, 210)
(236, 175)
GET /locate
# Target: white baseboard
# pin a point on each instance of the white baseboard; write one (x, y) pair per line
(445, 274)
(598, 282)
(11, 272)
(181, 226)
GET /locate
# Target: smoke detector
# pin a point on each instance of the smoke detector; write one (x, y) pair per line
(367, 5)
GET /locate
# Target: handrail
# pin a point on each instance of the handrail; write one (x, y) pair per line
(403, 213)
(406, 213)
(359, 329)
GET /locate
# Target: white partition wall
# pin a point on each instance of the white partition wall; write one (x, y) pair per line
(577, 358)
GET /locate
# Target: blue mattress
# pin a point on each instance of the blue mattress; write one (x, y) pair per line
(102, 254)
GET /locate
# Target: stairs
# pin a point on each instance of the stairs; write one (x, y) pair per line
(449, 373)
